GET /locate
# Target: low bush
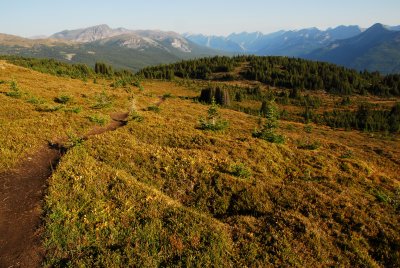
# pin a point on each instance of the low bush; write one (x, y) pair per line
(14, 92)
(98, 119)
(63, 99)
(154, 108)
(102, 101)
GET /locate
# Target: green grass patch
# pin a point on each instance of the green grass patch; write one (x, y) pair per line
(99, 119)
(154, 108)
(102, 101)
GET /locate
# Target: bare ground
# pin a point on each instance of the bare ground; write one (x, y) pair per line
(21, 195)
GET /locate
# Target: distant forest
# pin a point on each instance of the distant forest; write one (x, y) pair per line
(283, 72)
(290, 73)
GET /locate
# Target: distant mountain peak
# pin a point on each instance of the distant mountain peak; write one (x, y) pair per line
(378, 27)
(376, 48)
(378, 30)
(89, 34)
(100, 26)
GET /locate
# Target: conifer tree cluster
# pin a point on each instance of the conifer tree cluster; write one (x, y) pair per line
(219, 94)
(365, 118)
(193, 69)
(102, 68)
(53, 67)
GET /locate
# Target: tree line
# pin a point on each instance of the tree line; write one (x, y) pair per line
(75, 71)
(365, 118)
(285, 72)
(192, 69)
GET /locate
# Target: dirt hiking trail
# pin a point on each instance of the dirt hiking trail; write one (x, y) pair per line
(21, 194)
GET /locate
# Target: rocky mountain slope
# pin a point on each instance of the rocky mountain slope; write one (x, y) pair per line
(120, 47)
(374, 49)
(377, 48)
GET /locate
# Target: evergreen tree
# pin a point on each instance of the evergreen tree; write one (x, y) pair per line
(268, 131)
(213, 121)
(218, 94)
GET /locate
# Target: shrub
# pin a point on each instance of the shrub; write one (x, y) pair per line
(308, 128)
(123, 81)
(102, 101)
(239, 170)
(73, 140)
(75, 110)
(308, 114)
(154, 108)
(14, 86)
(98, 119)
(135, 117)
(238, 96)
(34, 100)
(347, 154)
(63, 99)
(138, 85)
(345, 101)
(14, 94)
(15, 91)
(48, 108)
(381, 196)
(309, 145)
(167, 95)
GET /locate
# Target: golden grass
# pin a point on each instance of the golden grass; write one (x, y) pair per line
(34, 118)
(160, 192)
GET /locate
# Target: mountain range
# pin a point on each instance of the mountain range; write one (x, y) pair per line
(120, 47)
(281, 43)
(375, 48)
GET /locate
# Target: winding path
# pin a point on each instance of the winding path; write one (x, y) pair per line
(21, 195)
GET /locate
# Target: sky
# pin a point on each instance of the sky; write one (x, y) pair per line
(219, 17)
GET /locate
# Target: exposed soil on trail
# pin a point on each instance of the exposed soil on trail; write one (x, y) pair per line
(162, 99)
(21, 194)
(20, 209)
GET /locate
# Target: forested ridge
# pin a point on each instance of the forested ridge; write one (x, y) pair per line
(283, 72)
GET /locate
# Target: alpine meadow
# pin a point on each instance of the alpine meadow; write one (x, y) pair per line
(153, 148)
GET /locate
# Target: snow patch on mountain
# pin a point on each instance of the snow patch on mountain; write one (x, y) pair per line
(181, 45)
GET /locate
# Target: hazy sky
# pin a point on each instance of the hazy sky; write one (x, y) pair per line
(36, 17)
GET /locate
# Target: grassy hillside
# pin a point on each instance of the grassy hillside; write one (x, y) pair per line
(162, 192)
